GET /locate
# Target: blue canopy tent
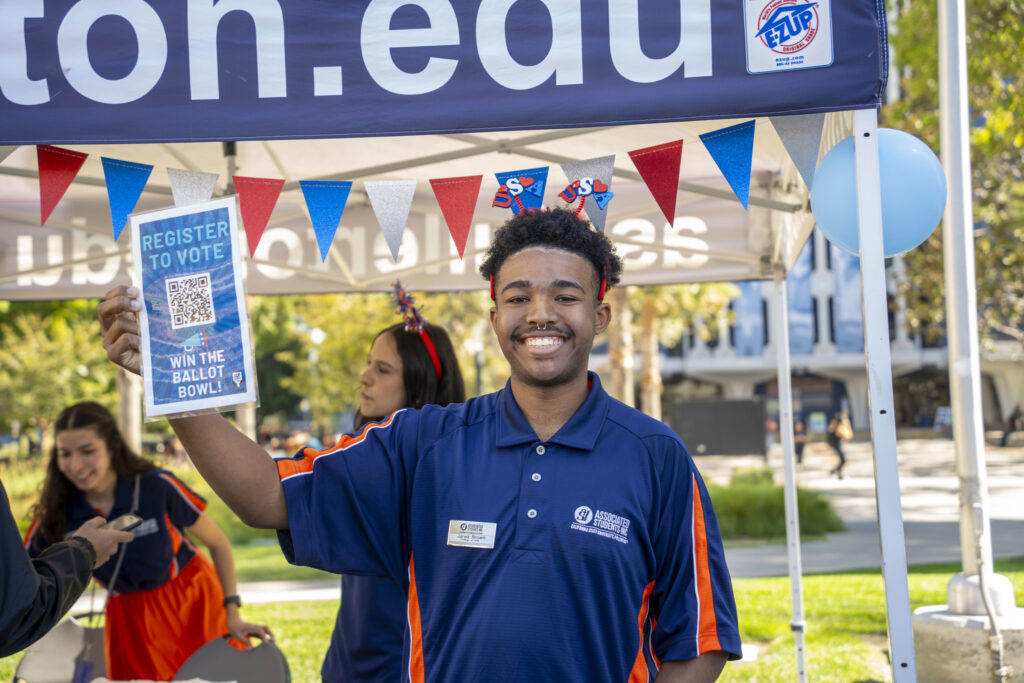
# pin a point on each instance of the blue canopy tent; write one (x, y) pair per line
(485, 86)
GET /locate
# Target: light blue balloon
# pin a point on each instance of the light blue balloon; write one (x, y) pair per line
(913, 193)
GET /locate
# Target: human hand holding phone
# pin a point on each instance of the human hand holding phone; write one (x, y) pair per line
(104, 541)
(123, 523)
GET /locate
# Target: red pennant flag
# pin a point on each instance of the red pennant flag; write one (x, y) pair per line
(256, 200)
(457, 199)
(659, 167)
(57, 168)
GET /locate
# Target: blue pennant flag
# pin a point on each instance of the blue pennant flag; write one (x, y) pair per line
(326, 201)
(732, 149)
(125, 182)
(521, 190)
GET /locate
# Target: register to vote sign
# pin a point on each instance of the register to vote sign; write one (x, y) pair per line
(195, 334)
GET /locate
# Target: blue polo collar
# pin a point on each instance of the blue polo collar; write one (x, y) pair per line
(123, 490)
(581, 431)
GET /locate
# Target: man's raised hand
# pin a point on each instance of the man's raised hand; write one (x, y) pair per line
(119, 322)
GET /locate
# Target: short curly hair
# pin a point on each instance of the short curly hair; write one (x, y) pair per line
(553, 228)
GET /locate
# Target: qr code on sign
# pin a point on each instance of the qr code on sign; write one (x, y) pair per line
(190, 299)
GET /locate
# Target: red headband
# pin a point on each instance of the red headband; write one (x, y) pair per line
(600, 291)
(414, 322)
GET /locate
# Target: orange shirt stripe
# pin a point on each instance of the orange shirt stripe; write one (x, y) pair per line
(175, 544)
(31, 530)
(173, 532)
(640, 673)
(197, 502)
(416, 667)
(707, 625)
(287, 467)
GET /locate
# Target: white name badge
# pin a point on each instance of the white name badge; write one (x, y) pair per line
(471, 534)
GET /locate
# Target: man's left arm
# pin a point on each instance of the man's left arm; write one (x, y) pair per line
(704, 669)
(692, 600)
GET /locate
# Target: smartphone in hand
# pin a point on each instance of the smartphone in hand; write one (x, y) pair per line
(123, 523)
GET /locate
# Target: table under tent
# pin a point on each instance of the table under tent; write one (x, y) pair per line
(394, 91)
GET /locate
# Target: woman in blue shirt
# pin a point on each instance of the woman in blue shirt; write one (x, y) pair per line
(166, 598)
(410, 365)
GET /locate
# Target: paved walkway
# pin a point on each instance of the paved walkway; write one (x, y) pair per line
(928, 487)
(929, 497)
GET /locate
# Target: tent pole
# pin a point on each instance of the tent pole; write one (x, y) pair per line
(963, 592)
(880, 399)
(245, 414)
(130, 414)
(797, 624)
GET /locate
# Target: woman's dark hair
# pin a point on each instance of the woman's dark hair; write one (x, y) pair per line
(57, 488)
(555, 228)
(422, 386)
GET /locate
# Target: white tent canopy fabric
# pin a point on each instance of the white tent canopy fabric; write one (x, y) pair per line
(712, 239)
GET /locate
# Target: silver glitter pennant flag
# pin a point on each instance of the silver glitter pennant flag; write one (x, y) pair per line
(801, 136)
(5, 151)
(391, 201)
(191, 187)
(590, 184)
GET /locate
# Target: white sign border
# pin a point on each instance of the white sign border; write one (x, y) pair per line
(197, 405)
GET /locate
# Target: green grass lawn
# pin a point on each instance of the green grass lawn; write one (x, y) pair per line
(846, 625)
(845, 613)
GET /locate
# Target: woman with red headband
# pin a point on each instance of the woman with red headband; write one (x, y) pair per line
(411, 364)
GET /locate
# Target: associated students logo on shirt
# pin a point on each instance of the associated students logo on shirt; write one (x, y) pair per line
(146, 528)
(606, 524)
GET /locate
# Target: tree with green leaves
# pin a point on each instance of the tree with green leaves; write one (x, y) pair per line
(663, 315)
(995, 41)
(51, 358)
(274, 322)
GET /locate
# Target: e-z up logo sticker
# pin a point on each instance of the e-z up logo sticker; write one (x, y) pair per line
(787, 34)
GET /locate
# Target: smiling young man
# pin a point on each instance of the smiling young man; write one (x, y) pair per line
(546, 531)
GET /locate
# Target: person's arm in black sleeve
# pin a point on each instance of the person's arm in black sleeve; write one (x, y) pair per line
(35, 594)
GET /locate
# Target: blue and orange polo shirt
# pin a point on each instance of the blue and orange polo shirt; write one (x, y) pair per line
(161, 548)
(592, 556)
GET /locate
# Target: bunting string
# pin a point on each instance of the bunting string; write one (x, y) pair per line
(589, 184)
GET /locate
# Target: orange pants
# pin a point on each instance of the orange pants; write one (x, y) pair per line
(150, 634)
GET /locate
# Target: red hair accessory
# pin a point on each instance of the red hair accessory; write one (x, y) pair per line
(414, 322)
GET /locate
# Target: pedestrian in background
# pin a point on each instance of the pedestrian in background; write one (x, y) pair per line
(839, 430)
(799, 441)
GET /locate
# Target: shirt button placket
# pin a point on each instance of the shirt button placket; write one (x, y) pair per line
(535, 477)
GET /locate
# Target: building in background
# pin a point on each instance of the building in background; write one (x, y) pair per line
(826, 340)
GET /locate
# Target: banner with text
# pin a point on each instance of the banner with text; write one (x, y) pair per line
(109, 71)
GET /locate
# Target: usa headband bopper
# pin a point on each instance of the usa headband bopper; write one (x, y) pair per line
(414, 322)
(600, 291)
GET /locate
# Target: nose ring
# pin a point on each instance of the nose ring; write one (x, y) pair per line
(542, 327)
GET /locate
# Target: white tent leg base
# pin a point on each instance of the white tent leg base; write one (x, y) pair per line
(955, 648)
(963, 595)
